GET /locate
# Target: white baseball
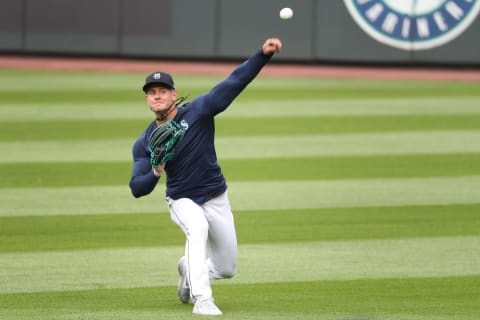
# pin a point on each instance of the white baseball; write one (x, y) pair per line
(286, 13)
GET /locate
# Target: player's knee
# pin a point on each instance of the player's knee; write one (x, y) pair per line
(224, 271)
(229, 271)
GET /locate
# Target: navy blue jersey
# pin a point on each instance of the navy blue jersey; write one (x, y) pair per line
(193, 172)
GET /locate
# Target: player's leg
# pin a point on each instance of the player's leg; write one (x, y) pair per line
(191, 219)
(222, 238)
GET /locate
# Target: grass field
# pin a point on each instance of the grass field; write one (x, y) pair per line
(353, 200)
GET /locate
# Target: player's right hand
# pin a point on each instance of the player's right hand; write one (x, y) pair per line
(271, 46)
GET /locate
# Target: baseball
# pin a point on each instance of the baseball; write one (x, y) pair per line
(286, 13)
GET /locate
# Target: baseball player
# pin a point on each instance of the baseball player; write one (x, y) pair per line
(196, 191)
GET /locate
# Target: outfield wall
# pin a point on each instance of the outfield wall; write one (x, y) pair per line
(321, 31)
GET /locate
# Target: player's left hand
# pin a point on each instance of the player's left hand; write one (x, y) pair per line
(163, 142)
(271, 46)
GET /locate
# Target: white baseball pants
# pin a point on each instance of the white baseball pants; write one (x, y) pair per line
(211, 246)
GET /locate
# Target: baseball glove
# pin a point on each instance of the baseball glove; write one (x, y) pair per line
(163, 142)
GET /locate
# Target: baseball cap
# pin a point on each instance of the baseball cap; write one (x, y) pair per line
(160, 78)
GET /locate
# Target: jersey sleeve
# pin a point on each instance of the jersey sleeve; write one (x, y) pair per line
(223, 94)
(143, 181)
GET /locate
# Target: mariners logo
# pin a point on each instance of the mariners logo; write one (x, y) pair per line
(184, 125)
(413, 24)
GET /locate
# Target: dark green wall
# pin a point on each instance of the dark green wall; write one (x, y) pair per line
(321, 31)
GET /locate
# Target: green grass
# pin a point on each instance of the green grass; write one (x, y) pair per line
(98, 94)
(307, 168)
(353, 200)
(109, 129)
(422, 298)
(24, 234)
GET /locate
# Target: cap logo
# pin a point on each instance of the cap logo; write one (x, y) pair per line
(157, 75)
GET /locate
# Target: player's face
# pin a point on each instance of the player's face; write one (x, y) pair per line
(160, 98)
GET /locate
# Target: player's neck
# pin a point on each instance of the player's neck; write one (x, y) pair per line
(169, 116)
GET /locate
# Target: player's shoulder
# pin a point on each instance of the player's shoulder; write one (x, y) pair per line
(190, 108)
(149, 129)
(184, 107)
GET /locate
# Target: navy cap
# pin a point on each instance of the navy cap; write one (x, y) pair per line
(158, 78)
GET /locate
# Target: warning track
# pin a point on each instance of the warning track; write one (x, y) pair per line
(223, 68)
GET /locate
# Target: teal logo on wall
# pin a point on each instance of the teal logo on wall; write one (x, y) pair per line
(414, 24)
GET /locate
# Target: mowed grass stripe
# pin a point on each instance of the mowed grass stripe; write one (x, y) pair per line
(344, 124)
(377, 89)
(452, 105)
(274, 108)
(440, 298)
(259, 195)
(259, 263)
(55, 174)
(294, 126)
(71, 111)
(257, 147)
(77, 232)
(18, 79)
(283, 90)
(48, 80)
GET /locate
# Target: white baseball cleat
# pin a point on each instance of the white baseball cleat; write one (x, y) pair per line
(206, 307)
(183, 288)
